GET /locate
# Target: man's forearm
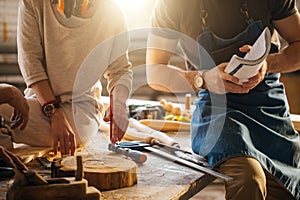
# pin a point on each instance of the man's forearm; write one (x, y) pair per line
(169, 78)
(43, 91)
(286, 61)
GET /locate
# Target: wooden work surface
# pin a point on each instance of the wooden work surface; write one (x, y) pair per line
(158, 178)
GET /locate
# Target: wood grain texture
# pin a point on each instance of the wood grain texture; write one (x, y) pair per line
(104, 171)
(296, 121)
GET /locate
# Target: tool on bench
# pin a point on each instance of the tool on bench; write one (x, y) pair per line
(135, 155)
(167, 125)
(29, 185)
(134, 135)
(144, 146)
(160, 136)
(23, 174)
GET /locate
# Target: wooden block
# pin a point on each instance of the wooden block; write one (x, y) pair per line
(102, 170)
(93, 193)
(75, 190)
(296, 121)
(28, 153)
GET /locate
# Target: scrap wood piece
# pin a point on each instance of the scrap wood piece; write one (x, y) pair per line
(296, 121)
(102, 170)
(28, 153)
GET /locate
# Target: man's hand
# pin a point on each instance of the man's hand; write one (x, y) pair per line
(14, 97)
(219, 82)
(63, 135)
(255, 80)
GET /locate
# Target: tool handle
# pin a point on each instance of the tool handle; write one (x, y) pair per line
(166, 125)
(134, 135)
(160, 136)
(135, 155)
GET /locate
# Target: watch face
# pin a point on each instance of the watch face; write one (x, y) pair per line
(49, 109)
(198, 81)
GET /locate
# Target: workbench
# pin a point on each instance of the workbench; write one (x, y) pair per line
(158, 178)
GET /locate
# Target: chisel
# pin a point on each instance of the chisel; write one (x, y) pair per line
(188, 164)
(143, 146)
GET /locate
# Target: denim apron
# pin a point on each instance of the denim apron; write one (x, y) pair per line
(256, 124)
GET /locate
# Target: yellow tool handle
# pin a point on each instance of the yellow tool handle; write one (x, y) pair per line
(150, 133)
(133, 135)
(166, 125)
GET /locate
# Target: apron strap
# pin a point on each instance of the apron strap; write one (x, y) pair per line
(244, 10)
(203, 16)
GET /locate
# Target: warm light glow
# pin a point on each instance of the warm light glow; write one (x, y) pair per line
(137, 12)
(131, 4)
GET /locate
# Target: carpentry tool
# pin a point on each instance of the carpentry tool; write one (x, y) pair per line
(132, 134)
(111, 117)
(135, 155)
(160, 136)
(23, 174)
(31, 186)
(176, 159)
(166, 125)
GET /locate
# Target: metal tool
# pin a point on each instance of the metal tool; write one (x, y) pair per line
(135, 155)
(134, 135)
(145, 146)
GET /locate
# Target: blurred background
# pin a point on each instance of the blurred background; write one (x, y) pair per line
(137, 13)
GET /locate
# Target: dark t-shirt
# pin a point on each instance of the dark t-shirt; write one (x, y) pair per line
(224, 18)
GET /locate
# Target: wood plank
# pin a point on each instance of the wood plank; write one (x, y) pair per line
(296, 121)
(157, 178)
(28, 153)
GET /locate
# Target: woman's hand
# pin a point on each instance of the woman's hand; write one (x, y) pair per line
(63, 134)
(119, 122)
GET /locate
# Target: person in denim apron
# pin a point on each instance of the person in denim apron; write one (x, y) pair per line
(247, 133)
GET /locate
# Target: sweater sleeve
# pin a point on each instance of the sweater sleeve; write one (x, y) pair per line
(29, 42)
(119, 71)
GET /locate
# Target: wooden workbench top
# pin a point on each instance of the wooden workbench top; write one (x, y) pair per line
(157, 178)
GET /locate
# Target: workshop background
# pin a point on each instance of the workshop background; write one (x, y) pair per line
(137, 13)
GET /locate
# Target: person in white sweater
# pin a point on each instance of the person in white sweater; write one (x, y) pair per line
(55, 39)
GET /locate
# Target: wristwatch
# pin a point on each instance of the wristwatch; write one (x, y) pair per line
(50, 107)
(198, 80)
